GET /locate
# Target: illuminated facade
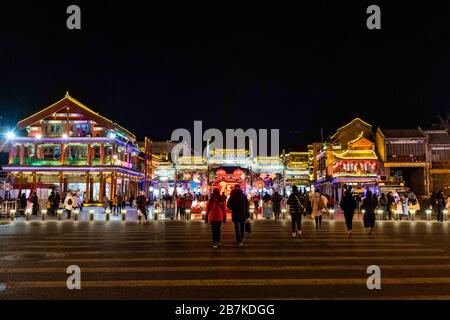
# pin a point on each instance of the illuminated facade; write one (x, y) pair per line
(347, 158)
(67, 146)
(405, 160)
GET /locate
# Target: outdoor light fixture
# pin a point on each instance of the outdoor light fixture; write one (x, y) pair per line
(283, 214)
(445, 214)
(75, 214)
(64, 136)
(27, 214)
(60, 212)
(155, 214)
(331, 212)
(428, 211)
(413, 215)
(112, 135)
(380, 212)
(251, 212)
(10, 135)
(12, 214)
(124, 214)
(43, 214)
(107, 212)
(91, 214)
(38, 136)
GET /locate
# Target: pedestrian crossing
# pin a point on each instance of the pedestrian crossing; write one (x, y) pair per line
(175, 260)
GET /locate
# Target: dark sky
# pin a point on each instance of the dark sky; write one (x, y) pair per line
(153, 68)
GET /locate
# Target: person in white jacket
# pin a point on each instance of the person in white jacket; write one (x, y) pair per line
(69, 204)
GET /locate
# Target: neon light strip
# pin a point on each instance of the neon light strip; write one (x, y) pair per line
(72, 168)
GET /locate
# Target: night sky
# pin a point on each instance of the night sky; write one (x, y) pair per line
(154, 68)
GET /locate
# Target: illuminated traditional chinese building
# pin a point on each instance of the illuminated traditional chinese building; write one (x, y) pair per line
(404, 156)
(67, 146)
(348, 158)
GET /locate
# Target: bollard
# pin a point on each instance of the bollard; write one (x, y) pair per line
(428, 212)
(283, 214)
(12, 214)
(251, 210)
(188, 214)
(155, 214)
(331, 212)
(445, 214)
(397, 215)
(413, 215)
(124, 215)
(92, 212)
(60, 212)
(75, 214)
(107, 212)
(27, 214)
(204, 215)
(43, 214)
(380, 212)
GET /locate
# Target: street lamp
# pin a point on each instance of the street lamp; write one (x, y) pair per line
(10, 135)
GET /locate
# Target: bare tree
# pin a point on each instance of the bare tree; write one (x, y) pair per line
(444, 123)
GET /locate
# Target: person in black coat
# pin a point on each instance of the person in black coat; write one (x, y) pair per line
(348, 205)
(35, 202)
(440, 206)
(296, 204)
(276, 205)
(369, 205)
(23, 203)
(390, 202)
(238, 204)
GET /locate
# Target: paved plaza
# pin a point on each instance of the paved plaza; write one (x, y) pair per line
(175, 260)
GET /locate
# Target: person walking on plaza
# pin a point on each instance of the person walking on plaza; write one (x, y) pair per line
(440, 206)
(382, 203)
(114, 204)
(318, 205)
(348, 205)
(215, 215)
(23, 203)
(50, 200)
(276, 205)
(390, 205)
(35, 202)
(119, 203)
(296, 204)
(56, 202)
(405, 207)
(68, 204)
(369, 205)
(141, 203)
(105, 202)
(238, 204)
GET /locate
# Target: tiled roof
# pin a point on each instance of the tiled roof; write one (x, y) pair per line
(439, 138)
(357, 154)
(403, 133)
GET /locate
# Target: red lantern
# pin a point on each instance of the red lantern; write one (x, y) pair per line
(220, 173)
(260, 184)
(238, 172)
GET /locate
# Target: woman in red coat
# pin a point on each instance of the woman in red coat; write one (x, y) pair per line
(216, 215)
